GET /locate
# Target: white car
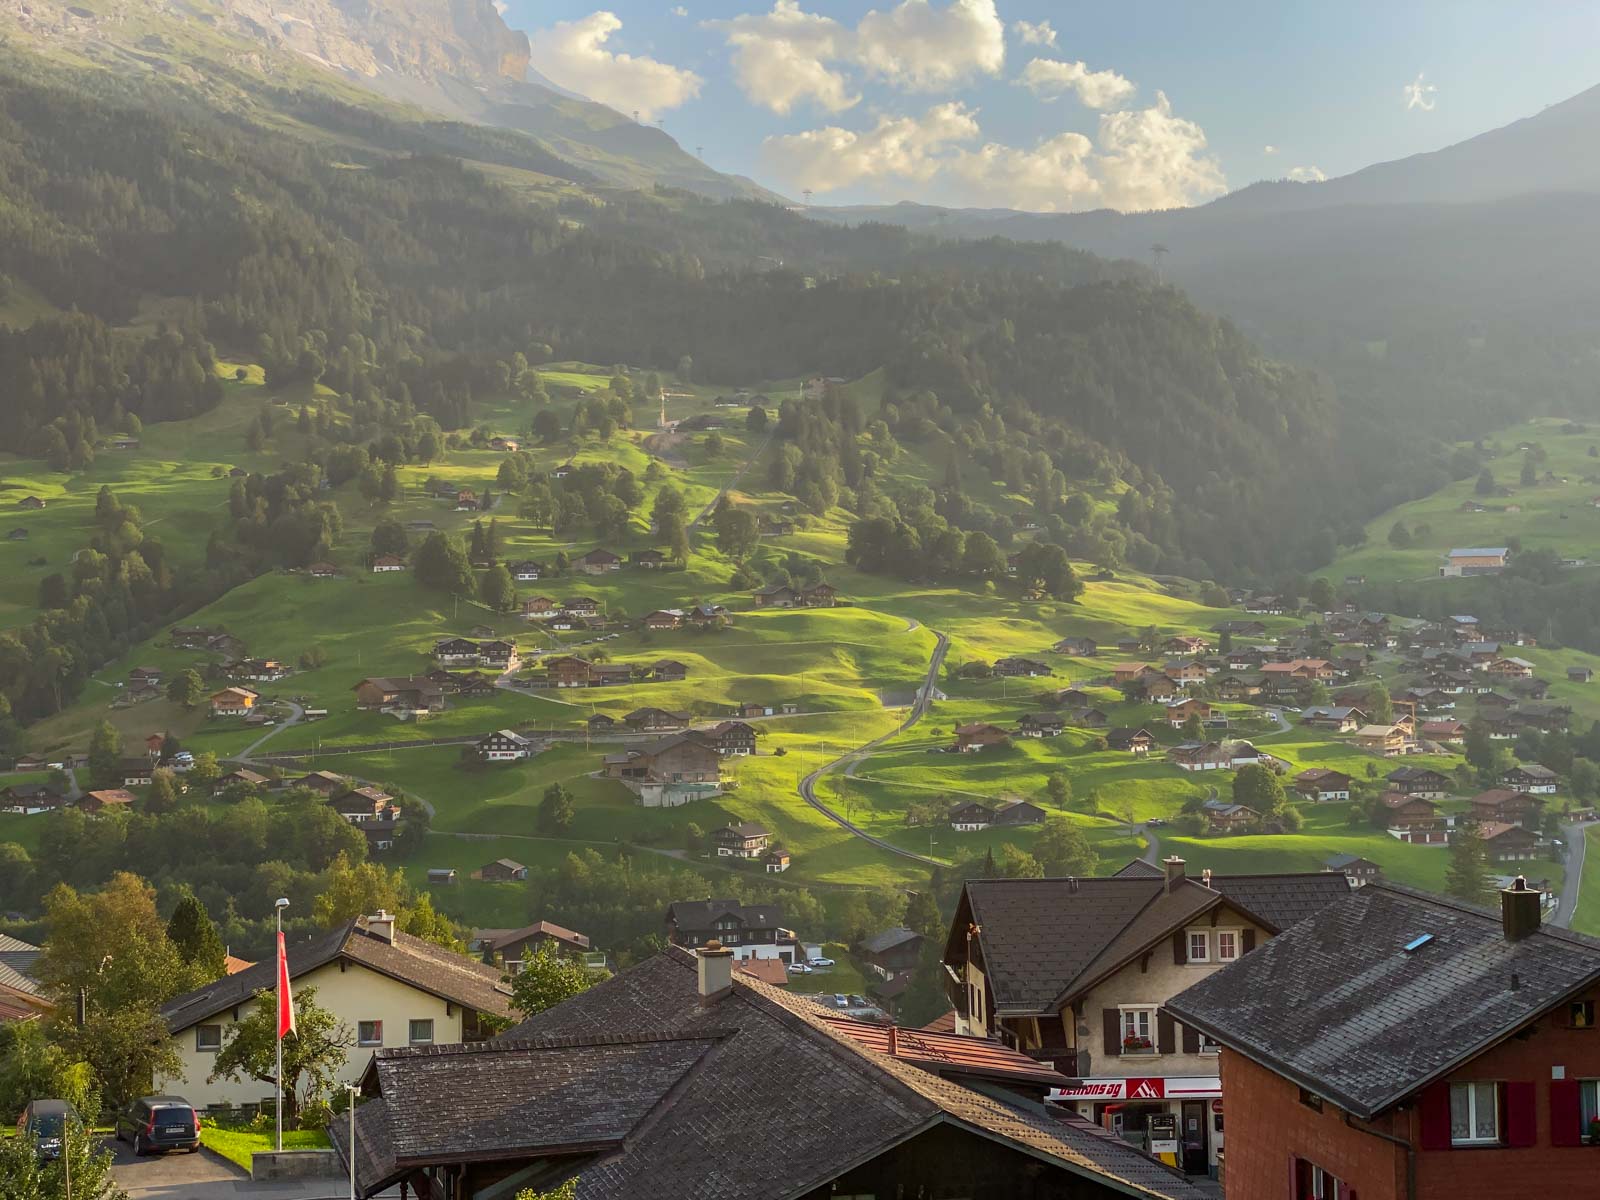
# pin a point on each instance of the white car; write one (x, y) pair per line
(820, 962)
(798, 968)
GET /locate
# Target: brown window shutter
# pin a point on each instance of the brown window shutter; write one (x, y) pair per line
(1113, 1026)
(1180, 948)
(1191, 1040)
(1164, 1033)
(1247, 941)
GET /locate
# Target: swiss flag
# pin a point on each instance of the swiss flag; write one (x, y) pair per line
(285, 998)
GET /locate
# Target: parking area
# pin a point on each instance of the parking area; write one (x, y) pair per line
(203, 1176)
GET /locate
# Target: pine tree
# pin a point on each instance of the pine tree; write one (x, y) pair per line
(195, 937)
(1467, 875)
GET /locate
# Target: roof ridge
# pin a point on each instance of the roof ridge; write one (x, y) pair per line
(554, 1041)
(1583, 940)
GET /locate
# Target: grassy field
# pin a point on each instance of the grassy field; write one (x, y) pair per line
(1587, 917)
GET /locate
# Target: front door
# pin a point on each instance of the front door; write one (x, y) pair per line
(1192, 1135)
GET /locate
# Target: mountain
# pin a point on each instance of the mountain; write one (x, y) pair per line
(455, 59)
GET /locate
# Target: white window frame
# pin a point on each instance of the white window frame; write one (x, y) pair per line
(1588, 1101)
(201, 1047)
(411, 1031)
(1324, 1184)
(365, 1041)
(1204, 940)
(1207, 1045)
(1238, 938)
(1472, 1093)
(1128, 1025)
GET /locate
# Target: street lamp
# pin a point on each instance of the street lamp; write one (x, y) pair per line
(278, 906)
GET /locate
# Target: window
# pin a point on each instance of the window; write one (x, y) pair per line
(1227, 945)
(1589, 1096)
(1136, 1025)
(422, 1033)
(1580, 1014)
(208, 1038)
(1311, 1100)
(1208, 1045)
(1199, 947)
(1474, 1114)
(1321, 1185)
(369, 1033)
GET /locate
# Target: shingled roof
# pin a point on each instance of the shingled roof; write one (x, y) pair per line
(1336, 1003)
(1046, 940)
(705, 1081)
(423, 965)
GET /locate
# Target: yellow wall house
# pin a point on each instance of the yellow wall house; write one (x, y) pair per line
(389, 988)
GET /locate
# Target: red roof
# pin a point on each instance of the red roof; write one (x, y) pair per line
(944, 1024)
(947, 1053)
(768, 970)
(232, 965)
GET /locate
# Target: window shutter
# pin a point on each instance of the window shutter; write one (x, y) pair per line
(1247, 941)
(1521, 1113)
(1180, 950)
(1113, 1024)
(1434, 1110)
(1164, 1033)
(1191, 1040)
(1566, 1113)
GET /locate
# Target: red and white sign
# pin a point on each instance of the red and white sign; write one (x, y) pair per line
(1149, 1088)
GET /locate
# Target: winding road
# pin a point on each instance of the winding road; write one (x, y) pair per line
(1577, 844)
(919, 709)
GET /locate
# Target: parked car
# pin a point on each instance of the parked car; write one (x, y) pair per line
(155, 1123)
(818, 960)
(798, 968)
(47, 1122)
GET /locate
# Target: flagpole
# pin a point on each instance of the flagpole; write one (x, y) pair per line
(278, 908)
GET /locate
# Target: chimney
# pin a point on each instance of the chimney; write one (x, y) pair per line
(715, 969)
(1175, 876)
(381, 924)
(1521, 909)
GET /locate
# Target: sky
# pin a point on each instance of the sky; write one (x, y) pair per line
(1060, 106)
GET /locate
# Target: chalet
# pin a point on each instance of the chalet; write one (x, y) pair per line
(775, 861)
(1153, 685)
(246, 778)
(145, 675)
(191, 637)
(1018, 812)
(971, 817)
(892, 952)
(1040, 725)
(539, 608)
(1443, 729)
(1200, 756)
(386, 563)
(733, 737)
(1225, 817)
(663, 619)
(1479, 560)
(411, 693)
(979, 736)
(1134, 741)
(648, 560)
(597, 562)
(1510, 668)
(504, 745)
(1337, 717)
(1532, 778)
(1128, 672)
(1579, 674)
(1508, 807)
(1186, 644)
(1322, 785)
(1236, 685)
(1270, 606)
(584, 606)
(1531, 689)
(262, 670)
(1249, 629)
(1179, 711)
(1386, 740)
(744, 840)
(472, 684)
(778, 595)
(28, 799)
(751, 709)
(456, 651)
(322, 570)
(1130, 646)
(361, 805)
(508, 946)
(568, 671)
(1508, 843)
(466, 500)
(746, 930)
(1011, 668)
(708, 616)
(1413, 820)
(1086, 718)
(1078, 647)
(135, 772)
(1070, 698)
(1419, 781)
(656, 720)
(504, 443)
(497, 654)
(670, 772)
(502, 870)
(106, 800)
(232, 702)
(1185, 673)
(1359, 871)
(600, 723)
(668, 670)
(30, 502)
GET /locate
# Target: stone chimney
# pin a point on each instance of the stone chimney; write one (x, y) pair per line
(1521, 909)
(381, 924)
(1175, 875)
(715, 968)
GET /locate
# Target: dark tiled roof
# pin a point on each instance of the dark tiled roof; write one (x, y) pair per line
(1139, 869)
(17, 959)
(888, 939)
(700, 914)
(412, 960)
(731, 1116)
(1339, 1005)
(1283, 900)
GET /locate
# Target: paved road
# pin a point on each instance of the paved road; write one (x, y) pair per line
(204, 1176)
(294, 719)
(808, 785)
(1577, 843)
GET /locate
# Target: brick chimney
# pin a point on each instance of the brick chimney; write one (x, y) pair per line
(714, 965)
(381, 924)
(1175, 874)
(1521, 909)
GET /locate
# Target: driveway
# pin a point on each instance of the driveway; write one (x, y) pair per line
(203, 1176)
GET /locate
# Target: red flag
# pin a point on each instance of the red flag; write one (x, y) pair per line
(285, 998)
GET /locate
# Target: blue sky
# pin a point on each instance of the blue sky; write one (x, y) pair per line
(1134, 105)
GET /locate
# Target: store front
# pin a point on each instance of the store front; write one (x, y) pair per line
(1178, 1120)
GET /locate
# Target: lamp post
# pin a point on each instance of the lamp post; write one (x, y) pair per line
(354, 1092)
(278, 906)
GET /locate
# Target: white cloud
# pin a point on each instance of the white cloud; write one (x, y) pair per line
(1050, 79)
(1306, 174)
(680, 11)
(1141, 159)
(1269, 150)
(789, 56)
(781, 58)
(1035, 33)
(574, 55)
(1419, 94)
(922, 48)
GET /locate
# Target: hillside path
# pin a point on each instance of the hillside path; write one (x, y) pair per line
(294, 719)
(919, 708)
(1567, 905)
(730, 485)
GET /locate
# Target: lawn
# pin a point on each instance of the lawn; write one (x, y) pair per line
(239, 1146)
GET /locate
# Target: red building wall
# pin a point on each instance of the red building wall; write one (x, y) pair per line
(1268, 1127)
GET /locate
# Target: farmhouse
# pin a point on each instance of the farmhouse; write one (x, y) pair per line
(1510, 668)
(106, 799)
(1178, 712)
(663, 619)
(504, 745)
(135, 772)
(1226, 817)
(597, 562)
(979, 736)
(656, 720)
(778, 595)
(1078, 647)
(971, 817)
(322, 570)
(245, 777)
(1018, 812)
(262, 670)
(733, 737)
(28, 799)
(502, 870)
(1127, 672)
(507, 946)
(668, 670)
(670, 772)
(497, 654)
(527, 571)
(411, 693)
(1508, 843)
(1533, 778)
(569, 671)
(1508, 807)
(1579, 674)
(232, 702)
(360, 805)
(1336, 717)
(745, 930)
(744, 840)
(649, 560)
(387, 562)
(1480, 560)
(1322, 785)
(1413, 820)
(775, 860)
(822, 595)
(30, 502)
(1024, 667)
(1134, 741)
(1040, 725)
(539, 608)
(1419, 781)
(1359, 871)
(466, 500)
(456, 652)
(1200, 756)
(708, 616)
